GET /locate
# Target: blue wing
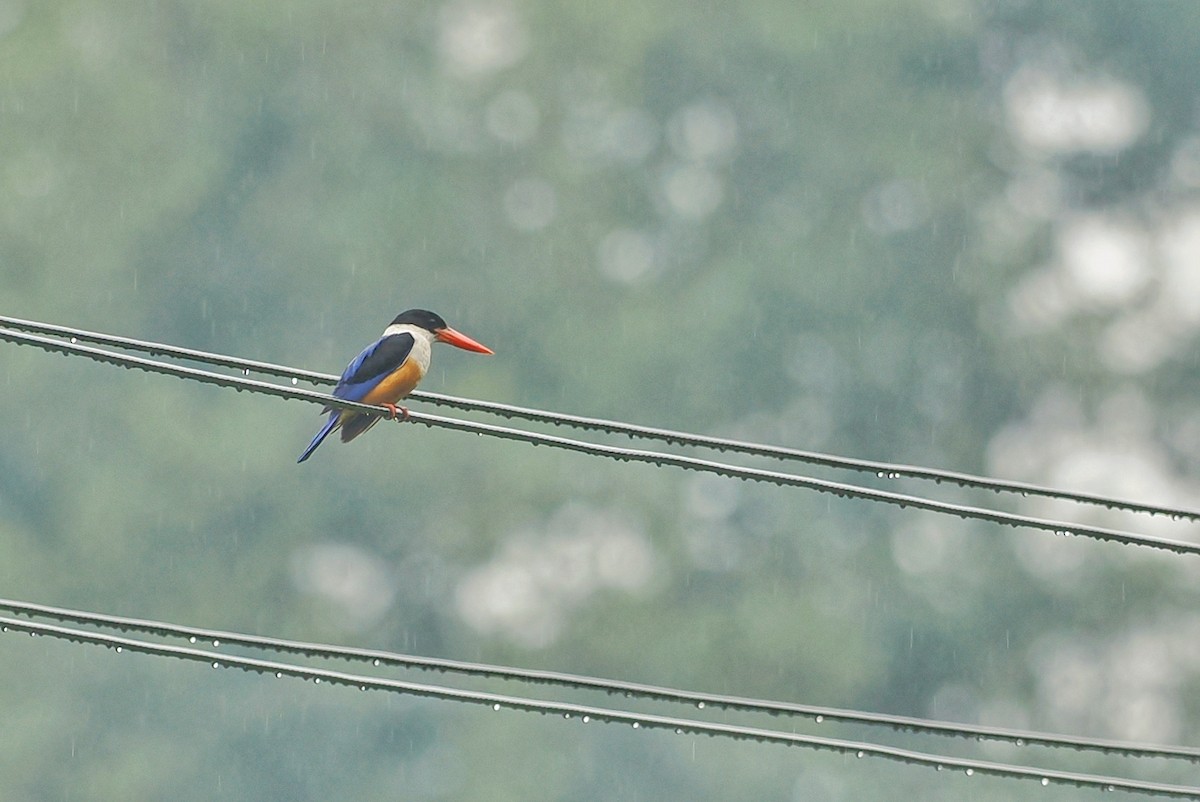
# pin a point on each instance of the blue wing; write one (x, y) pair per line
(364, 372)
(375, 363)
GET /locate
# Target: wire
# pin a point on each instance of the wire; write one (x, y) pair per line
(613, 452)
(587, 713)
(650, 691)
(576, 682)
(884, 470)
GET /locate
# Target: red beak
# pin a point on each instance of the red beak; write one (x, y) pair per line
(460, 340)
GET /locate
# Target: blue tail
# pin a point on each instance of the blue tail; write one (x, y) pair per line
(321, 435)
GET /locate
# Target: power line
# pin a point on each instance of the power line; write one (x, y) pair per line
(645, 456)
(613, 452)
(577, 682)
(163, 349)
(883, 470)
(588, 713)
(888, 470)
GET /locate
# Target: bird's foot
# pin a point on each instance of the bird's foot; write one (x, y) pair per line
(395, 412)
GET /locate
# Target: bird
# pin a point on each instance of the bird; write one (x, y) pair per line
(387, 370)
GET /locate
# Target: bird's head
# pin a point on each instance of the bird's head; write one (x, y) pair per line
(433, 323)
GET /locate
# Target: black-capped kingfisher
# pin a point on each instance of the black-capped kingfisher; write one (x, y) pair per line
(387, 370)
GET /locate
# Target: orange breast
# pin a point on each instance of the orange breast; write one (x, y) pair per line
(399, 384)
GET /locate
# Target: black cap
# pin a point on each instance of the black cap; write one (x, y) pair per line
(427, 320)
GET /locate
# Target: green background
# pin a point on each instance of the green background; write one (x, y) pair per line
(948, 233)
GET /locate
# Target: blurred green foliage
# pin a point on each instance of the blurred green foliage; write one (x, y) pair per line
(838, 226)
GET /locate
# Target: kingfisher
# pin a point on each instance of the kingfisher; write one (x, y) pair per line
(387, 370)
